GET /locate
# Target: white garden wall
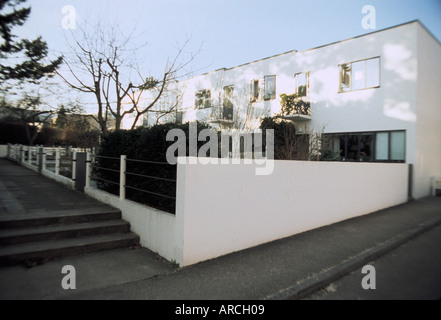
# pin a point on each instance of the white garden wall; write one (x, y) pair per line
(3, 150)
(225, 208)
(222, 208)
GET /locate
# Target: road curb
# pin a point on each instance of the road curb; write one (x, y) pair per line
(318, 281)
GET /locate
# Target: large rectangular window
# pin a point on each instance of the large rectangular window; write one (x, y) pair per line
(360, 74)
(270, 88)
(388, 146)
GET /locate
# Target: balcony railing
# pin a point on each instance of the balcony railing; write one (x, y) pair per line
(222, 114)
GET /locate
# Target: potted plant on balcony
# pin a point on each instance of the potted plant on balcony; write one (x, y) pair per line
(293, 104)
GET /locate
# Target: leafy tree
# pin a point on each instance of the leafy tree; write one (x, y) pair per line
(23, 63)
(31, 53)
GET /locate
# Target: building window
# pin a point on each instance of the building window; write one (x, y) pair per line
(203, 99)
(302, 84)
(362, 74)
(254, 90)
(270, 88)
(228, 103)
(388, 146)
(391, 146)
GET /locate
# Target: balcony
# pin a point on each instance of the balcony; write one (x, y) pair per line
(295, 108)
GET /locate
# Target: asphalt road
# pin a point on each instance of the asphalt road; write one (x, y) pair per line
(412, 271)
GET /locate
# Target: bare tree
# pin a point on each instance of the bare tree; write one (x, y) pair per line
(247, 114)
(103, 64)
(238, 112)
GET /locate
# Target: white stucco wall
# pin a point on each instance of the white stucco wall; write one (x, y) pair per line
(428, 137)
(225, 208)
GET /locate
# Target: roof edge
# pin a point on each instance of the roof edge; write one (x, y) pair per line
(328, 44)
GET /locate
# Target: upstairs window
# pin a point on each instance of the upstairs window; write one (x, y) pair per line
(359, 75)
(228, 96)
(254, 90)
(203, 99)
(302, 84)
(163, 103)
(228, 103)
(270, 88)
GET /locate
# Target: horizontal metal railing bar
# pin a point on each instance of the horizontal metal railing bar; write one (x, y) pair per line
(148, 161)
(105, 157)
(96, 178)
(152, 177)
(97, 167)
(157, 194)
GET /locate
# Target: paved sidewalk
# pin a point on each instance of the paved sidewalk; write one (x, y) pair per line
(288, 268)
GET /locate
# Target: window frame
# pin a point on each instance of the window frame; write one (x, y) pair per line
(340, 66)
(273, 95)
(389, 159)
(228, 102)
(307, 79)
(253, 90)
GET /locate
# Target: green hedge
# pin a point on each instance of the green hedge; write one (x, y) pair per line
(141, 144)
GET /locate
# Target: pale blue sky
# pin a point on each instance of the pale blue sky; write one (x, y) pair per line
(231, 32)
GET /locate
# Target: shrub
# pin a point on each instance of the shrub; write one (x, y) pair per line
(285, 139)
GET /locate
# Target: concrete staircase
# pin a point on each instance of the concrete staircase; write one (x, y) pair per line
(33, 238)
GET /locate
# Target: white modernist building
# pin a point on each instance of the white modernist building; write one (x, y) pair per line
(377, 97)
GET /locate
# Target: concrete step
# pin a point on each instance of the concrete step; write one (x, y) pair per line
(36, 219)
(63, 231)
(35, 252)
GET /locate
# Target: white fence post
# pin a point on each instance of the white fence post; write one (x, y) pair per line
(22, 154)
(88, 169)
(37, 156)
(29, 154)
(122, 177)
(43, 159)
(57, 161)
(74, 165)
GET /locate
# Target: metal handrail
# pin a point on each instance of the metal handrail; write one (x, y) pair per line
(157, 194)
